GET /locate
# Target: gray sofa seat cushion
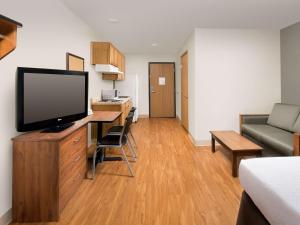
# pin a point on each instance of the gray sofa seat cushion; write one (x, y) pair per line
(284, 116)
(296, 127)
(278, 139)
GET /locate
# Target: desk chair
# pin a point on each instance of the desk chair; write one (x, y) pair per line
(116, 141)
(132, 110)
(116, 130)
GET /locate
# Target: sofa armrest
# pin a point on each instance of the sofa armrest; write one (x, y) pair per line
(253, 119)
(296, 144)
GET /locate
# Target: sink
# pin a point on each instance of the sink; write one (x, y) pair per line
(111, 100)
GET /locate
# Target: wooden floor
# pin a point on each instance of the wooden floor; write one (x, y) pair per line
(175, 184)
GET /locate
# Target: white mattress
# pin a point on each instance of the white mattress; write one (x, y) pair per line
(274, 186)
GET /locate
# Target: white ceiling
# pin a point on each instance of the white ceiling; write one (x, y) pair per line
(169, 22)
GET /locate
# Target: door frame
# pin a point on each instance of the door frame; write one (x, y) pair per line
(149, 89)
(185, 128)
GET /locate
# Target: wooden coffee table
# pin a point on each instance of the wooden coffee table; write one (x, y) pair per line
(235, 143)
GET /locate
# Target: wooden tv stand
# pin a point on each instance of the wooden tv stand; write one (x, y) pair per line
(48, 169)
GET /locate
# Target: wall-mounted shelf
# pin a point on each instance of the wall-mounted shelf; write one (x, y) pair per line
(8, 35)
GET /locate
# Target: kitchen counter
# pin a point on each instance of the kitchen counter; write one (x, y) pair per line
(120, 101)
(123, 106)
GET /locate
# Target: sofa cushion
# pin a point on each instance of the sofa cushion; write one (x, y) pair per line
(267, 150)
(296, 127)
(280, 140)
(284, 116)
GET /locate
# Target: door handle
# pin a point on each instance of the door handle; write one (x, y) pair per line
(152, 91)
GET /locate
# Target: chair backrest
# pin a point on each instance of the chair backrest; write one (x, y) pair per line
(128, 122)
(133, 109)
(126, 127)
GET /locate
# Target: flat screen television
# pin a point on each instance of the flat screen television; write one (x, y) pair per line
(48, 98)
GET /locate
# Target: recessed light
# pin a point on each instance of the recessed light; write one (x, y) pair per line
(154, 44)
(113, 20)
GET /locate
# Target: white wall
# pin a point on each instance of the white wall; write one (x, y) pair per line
(237, 71)
(138, 64)
(49, 31)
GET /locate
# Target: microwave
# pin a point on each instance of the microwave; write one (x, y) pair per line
(107, 95)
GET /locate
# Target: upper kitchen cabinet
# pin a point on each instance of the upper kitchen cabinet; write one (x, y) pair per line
(108, 60)
(8, 35)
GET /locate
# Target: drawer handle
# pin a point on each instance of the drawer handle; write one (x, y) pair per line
(77, 158)
(76, 140)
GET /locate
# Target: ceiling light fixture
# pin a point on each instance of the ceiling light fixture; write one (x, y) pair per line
(154, 44)
(113, 20)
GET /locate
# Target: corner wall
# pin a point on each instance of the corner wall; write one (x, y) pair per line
(290, 64)
(49, 31)
(236, 71)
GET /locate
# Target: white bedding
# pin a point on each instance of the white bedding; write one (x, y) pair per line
(274, 186)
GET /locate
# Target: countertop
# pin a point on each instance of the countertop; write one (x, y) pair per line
(97, 101)
(99, 116)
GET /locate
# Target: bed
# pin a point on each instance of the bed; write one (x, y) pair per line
(271, 191)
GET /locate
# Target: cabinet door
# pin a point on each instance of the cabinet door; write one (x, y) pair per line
(121, 76)
(116, 57)
(119, 61)
(112, 57)
(123, 64)
(100, 53)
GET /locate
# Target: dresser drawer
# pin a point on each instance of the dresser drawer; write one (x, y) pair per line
(71, 178)
(77, 160)
(71, 146)
(72, 165)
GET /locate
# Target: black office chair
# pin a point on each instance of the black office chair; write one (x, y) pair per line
(133, 109)
(116, 130)
(116, 141)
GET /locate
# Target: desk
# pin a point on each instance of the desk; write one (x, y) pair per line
(48, 168)
(101, 117)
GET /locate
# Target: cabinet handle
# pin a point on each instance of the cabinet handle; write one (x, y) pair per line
(77, 158)
(76, 140)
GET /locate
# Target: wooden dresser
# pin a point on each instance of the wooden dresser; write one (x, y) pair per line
(47, 170)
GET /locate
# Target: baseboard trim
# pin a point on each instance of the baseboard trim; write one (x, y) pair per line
(143, 116)
(194, 142)
(200, 143)
(6, 218)
(203, 143)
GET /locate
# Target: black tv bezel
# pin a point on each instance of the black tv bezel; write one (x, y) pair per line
(20, 126)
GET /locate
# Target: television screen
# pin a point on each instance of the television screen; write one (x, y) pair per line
(48, 98)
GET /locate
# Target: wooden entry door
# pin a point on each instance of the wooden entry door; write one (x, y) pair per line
(184, 92)
(162, 89)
